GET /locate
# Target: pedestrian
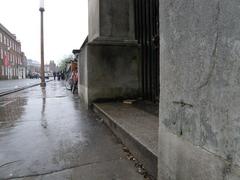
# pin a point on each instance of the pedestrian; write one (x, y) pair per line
(74, 80)
(62, 75)
(59, 76)
(54, 75)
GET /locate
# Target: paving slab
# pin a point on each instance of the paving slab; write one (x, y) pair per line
(112, 170)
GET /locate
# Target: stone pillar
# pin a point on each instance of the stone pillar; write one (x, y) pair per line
(111, 20)
(199, 129)
(112, 59)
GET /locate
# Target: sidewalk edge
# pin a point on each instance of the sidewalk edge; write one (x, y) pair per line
(20, 89)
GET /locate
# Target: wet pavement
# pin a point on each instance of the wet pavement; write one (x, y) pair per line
(6, 85)
(49, 134)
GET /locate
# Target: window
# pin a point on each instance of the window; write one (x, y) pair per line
(1, 38)
(3, 70)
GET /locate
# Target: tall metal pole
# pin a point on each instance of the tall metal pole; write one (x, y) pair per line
(43, 83)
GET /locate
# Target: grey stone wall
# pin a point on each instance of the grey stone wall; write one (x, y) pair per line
(93, 19)
(199, 134)
(108, 72)
(111, 20)
(83, 75)
(113, 72)
(116, 19)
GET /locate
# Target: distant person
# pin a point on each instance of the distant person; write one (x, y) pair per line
(54, 75)
(62, 75)
(74, 77)
(59, 76)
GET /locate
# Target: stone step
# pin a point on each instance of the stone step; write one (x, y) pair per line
(137, 129)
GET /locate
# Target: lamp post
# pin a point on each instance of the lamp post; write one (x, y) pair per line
(41, 9)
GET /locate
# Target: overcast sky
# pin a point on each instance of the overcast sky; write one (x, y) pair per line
(66, 25)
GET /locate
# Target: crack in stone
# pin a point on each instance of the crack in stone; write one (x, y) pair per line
(214, 53)
(183, 104)
(9, 163)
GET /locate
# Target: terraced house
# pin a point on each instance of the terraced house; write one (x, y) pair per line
(11, 57)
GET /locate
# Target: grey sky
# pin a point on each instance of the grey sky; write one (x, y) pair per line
(65, 25)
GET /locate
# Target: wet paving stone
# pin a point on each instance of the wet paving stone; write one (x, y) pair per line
(49, 134)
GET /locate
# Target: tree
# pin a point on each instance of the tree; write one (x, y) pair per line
(63, 63)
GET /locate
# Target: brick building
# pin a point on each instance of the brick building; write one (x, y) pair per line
(22, 70)
(11, 57)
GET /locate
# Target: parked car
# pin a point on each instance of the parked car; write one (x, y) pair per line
(46, 75)
(50, 74)
(34, 75)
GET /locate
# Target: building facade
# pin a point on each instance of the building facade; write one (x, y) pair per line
(22, 71)
(33, 67)
(11, 57)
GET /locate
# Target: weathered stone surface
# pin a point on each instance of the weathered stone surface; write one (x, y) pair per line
(200, 90)
(93, 19)
(117, 19)
(83, 75)
(112, 72)
(108, 72)
(111, 20)
(180, 160)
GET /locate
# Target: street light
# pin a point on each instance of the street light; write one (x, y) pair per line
(41, 9)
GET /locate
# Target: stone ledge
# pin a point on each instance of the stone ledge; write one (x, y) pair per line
(113, 42)
(137, 129)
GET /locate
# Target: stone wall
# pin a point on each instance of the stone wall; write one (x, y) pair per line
(93, 19)
(199, 133)
(117, 19)
(83, 74)
(113, 72)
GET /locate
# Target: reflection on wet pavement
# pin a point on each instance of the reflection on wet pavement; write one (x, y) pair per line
(43, 116)
(45, 131)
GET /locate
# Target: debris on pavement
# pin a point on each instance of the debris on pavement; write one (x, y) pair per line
(129, 101)
(139, 167)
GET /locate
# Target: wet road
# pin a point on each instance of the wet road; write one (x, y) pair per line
(49, 134)
(6, 85)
